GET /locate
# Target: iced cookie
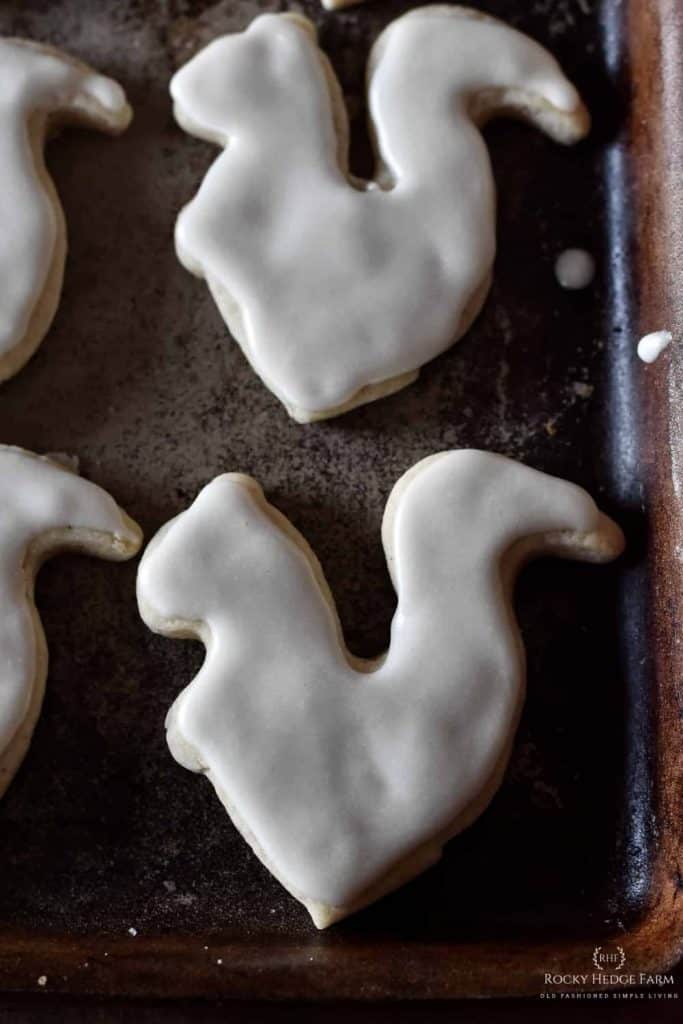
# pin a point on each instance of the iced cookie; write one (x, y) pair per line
(337, 289)
(347, 777)
(46, 509)
(41, 88)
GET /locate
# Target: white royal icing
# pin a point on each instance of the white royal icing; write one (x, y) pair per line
(651, 346)
(37, 83)
(42, 502)
(333, 285)
(337, 769)
(574, 269)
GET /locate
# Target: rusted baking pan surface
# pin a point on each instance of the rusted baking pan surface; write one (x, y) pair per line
(119, 871)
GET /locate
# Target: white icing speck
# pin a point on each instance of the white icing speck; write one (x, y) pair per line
(132, 931)
(337, 769)
(574, 269)
(332, 285)
(42, 980)
(651, 346)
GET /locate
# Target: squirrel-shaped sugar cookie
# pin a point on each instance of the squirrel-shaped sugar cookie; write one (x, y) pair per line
(40, 88)
(346, 776)
(338, 290)
(46, 509)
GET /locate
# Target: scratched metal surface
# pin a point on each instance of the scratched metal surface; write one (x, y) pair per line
(102, 831)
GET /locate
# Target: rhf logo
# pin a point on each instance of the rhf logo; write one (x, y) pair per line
(608, 963)
(606, 960)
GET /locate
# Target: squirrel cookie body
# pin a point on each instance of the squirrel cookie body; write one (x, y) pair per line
(347, 776)
(339, 290)
(46, 509)
(40, 87)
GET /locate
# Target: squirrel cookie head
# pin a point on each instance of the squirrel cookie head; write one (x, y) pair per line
(308, 264)
(178, 570)
(347, 776)
(217, 90)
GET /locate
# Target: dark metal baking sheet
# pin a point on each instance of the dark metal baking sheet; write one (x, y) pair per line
(101, 831)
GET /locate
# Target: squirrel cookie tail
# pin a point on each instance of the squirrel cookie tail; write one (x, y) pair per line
(47, 509)
(42, 88)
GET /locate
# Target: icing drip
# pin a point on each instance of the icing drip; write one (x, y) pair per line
(334, 769)
(574, 269)
(651, 346)
(38, 85)
(339, 290)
